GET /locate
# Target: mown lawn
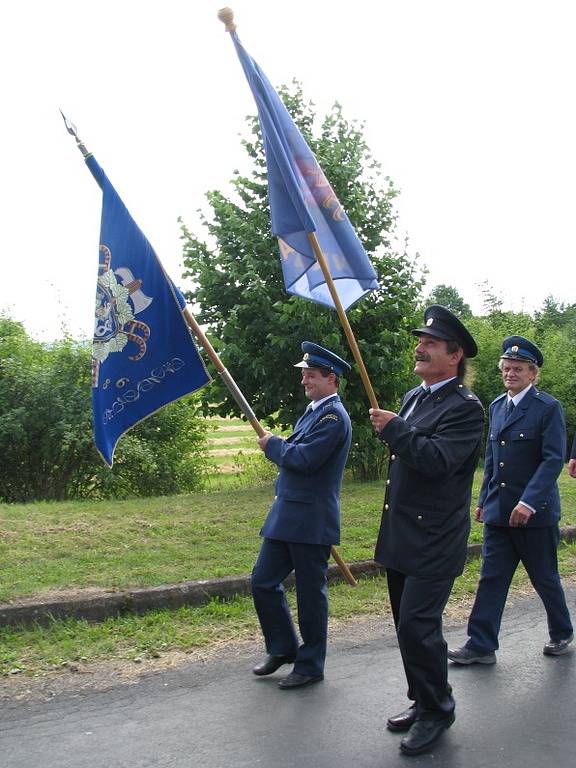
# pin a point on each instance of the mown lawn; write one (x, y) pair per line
(69, 645)
(147, 542)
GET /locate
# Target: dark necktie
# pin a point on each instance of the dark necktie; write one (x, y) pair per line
(509, 407)
(422, 395)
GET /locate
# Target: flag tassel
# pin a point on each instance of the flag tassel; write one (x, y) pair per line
(250, 415)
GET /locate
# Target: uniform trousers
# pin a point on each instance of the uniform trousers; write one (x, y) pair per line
(417, 607)
(276, 560)
(502, 550)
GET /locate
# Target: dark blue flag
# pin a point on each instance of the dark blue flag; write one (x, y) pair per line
(143, 356)
(302, 201)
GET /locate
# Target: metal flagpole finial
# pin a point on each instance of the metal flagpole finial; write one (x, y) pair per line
(71, 128)
(226, 16)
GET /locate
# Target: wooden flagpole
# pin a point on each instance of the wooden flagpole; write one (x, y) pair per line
(226, 16)
(226, 376)
(249, 413)
(320, 258)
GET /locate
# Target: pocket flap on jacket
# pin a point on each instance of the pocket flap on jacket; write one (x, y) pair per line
(522, 434)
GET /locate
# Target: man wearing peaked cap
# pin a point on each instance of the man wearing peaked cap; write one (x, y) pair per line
(519, 348)
(519, 505)
(443, 324)
(303, 523)
(434, 444)
(316, 356)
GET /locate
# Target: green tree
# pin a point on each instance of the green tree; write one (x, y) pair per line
(258, 327)
(448, 296)
(492, 303)
(555, 332)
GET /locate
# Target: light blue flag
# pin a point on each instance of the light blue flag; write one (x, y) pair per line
(143, 356)
(302, 201)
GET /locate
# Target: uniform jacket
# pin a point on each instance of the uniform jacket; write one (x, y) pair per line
(433, 455)
(306, 508)
(524, 456)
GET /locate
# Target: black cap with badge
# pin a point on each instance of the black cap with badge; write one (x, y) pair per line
(443, 324)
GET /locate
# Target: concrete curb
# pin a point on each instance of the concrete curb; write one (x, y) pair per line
(194, 593)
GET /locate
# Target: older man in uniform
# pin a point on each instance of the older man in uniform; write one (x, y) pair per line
(303, 523)
(519, 504)
(434, 445)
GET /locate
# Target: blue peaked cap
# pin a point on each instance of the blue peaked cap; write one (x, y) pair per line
(316, 356)
(519, 348)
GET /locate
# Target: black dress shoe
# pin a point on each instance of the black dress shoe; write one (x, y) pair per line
(403, 721)
(271, 664)
(294, 680)
(423, 734)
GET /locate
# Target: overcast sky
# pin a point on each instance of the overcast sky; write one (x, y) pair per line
(469, 107)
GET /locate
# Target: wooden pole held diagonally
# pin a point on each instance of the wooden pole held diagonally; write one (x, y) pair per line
(226, 376)
(250, 415)
(343, 319)
(226, 16)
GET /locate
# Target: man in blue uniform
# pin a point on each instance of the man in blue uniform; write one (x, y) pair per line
(434, 444)
(303, 523)
(519, 504)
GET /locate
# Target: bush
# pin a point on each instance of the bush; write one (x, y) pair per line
(46, 431)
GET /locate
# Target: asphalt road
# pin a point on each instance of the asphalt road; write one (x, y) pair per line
(520, 713)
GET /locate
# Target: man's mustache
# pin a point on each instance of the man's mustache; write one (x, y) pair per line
(422, 357)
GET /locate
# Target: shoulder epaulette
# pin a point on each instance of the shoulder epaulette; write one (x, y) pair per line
(544, 397)
(466, 393)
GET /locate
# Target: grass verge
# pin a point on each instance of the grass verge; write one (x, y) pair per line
(65, 645)
(148, 542)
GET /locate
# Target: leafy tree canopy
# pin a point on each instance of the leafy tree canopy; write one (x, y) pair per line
(448, 296)
(256, 326)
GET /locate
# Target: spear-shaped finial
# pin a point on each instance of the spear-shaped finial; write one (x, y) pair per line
(71, 128)
(226, 16)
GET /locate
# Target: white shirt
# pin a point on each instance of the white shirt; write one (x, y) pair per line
(516, 399)
(432, 388)
(315, 403)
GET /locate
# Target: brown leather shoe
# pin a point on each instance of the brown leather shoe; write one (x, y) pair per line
(271, 664)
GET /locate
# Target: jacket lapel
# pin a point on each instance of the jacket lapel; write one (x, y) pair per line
(432, 401)
(408, 400)
(308, 419)
(518, 412)
(498, 416)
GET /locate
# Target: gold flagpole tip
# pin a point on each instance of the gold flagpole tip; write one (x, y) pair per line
(226, 16)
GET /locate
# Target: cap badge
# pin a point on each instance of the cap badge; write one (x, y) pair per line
(514, 349)
(429, 321)
(306, 356)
